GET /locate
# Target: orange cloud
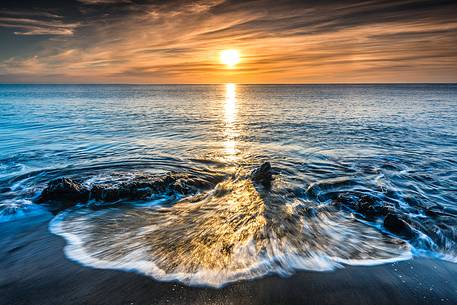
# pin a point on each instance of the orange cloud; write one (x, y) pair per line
(179, 42)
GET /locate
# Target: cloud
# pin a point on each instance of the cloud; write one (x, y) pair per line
(98, 2)
(280, 41)
(25, 13)
(36, 23)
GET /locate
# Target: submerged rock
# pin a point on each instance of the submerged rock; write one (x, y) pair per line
(366, 205)
(263, 174)
(398, 226)
(371, 207)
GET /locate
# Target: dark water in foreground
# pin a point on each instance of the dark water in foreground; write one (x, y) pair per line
(345, 156)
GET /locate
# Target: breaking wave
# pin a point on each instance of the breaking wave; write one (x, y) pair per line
(238, 230)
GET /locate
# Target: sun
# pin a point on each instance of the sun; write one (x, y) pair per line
(230, 58)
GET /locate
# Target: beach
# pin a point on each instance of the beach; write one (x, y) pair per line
(36, 272)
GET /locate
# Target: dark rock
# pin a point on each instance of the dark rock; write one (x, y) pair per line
(398, 226)
(64, 190)
(263, 174)
(366, 205)
(371, 207)
(346, 199)
(145, 187)
(104, 192)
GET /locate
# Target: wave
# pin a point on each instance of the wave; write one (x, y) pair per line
(212, 226)
(239, 230)
(13, 209)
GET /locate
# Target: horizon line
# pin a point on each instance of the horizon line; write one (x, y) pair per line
(273, 84)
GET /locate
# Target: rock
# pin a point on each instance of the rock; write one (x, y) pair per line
(366, 205)
(398, 226)
(141, 188)
(370, 207)
(104, 192)
(263, 174)
(64, 190)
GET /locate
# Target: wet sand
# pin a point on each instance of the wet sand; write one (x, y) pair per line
(34, 270)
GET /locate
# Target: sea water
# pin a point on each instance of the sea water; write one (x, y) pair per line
(332, 148)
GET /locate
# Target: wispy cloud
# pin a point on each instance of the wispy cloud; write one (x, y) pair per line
(96, 2)
(280, 41)
(36, 23)
(26, 13)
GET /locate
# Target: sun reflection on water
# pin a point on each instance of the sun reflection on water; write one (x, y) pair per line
(230, 114)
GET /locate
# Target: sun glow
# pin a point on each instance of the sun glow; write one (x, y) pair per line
(230, 58)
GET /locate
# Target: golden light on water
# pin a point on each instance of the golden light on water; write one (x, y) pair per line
(230, 58)
(230, 102)
(230, 113)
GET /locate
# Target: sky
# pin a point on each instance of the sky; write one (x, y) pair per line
(129, 41)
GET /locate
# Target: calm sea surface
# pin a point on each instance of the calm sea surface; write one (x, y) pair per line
(335, 149)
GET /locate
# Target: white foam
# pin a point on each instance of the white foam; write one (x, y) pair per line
(219, 240)
(13, 209)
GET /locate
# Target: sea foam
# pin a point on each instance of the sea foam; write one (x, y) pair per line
(232, 233)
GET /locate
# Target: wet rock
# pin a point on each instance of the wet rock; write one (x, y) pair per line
(104, 192)
(69, 192)
(371, 207)
(263, 174)
(398, 226)
(366, 205)
(145, 187)
(66, 191)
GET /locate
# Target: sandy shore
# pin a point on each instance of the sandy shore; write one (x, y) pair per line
(35, 271)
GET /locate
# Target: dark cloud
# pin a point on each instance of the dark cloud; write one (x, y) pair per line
(104, 2)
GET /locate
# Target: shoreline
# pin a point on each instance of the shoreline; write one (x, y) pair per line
(35, 271)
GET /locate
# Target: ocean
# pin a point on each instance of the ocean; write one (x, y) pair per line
(362, 175)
